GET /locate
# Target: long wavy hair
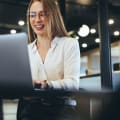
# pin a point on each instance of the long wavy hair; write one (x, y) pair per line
(55, 26)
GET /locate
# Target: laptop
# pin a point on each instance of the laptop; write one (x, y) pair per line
(15, 73)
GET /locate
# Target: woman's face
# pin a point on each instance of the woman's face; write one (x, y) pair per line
(38, 18)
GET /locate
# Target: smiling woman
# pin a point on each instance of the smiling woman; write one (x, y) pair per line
(38, 18)
(55, 64)
(49, 14)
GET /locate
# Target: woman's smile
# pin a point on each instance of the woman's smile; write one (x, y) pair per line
(39, 26)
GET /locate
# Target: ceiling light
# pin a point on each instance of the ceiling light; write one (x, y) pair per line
(92, 30)
(21, 22)
(116, 33)
(110, 21)
(84, 45)
(97, 40)
(13, 31)
(83, 31)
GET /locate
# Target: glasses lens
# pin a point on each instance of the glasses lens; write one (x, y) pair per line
(43, 13)
(32, 14)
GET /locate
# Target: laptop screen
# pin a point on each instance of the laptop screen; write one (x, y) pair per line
(15, 73)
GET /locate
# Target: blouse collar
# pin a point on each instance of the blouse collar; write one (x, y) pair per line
(54, 43)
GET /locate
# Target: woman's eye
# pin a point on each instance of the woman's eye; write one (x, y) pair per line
(32, 14)
(43, 13)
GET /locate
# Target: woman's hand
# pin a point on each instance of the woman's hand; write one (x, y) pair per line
(40, 84)
(44, 84)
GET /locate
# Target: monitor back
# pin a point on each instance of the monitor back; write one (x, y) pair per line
(15, 73)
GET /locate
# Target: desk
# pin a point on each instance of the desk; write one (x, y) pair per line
(87, 100)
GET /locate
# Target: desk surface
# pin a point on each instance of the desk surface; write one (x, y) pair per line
(61, 93)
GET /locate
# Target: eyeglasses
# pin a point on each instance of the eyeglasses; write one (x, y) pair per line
(33, 14)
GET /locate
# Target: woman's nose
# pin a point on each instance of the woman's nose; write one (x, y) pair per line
(38, 17)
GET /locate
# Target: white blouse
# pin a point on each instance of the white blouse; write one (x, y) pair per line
(62, 63)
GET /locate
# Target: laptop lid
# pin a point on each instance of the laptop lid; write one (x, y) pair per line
(15, 73)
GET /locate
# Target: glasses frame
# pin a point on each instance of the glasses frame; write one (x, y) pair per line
(33, 14)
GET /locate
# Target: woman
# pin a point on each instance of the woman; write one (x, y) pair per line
(54, 60)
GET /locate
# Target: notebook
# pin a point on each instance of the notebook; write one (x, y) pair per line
(15, 73)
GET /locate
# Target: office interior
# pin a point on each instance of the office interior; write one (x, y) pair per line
(95, 24)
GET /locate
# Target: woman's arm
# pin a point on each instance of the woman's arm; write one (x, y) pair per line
(71, 67)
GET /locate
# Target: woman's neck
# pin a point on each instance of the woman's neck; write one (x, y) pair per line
(43, 41)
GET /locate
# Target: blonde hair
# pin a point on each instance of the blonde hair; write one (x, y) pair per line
(55, 26)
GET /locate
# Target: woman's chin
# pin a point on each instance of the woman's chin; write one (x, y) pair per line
(41, 33)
